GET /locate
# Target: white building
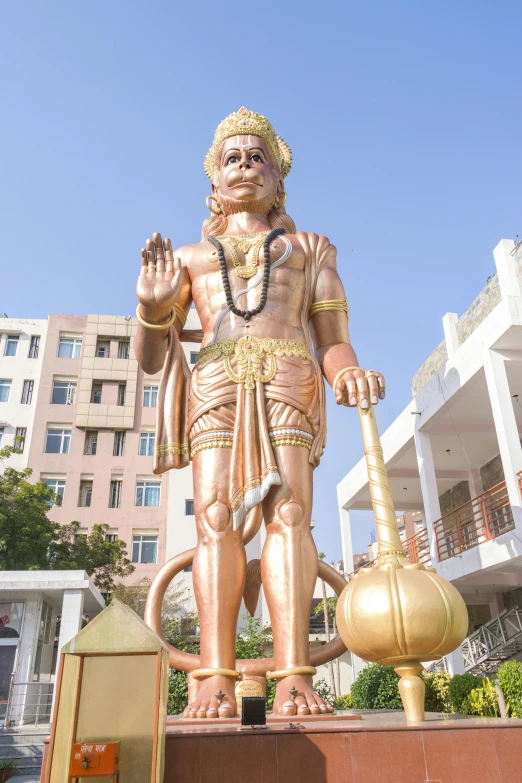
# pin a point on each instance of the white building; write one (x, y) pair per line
(22, 344)
(455, 453)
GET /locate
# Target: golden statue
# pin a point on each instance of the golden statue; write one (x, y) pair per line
(252, 415)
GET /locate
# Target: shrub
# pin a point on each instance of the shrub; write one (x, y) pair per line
(510, 680)
(460, 687)
(178, 692)
(376, 688)
(482, 701)
(437, 691)
(344, 702)
(323, 690)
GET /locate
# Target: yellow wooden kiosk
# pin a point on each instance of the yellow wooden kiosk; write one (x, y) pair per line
(112, 686)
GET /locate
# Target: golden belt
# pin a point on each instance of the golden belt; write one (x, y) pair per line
(250, 353)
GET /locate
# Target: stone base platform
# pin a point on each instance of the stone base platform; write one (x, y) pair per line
(348, 747)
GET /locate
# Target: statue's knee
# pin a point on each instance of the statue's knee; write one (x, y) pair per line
(217, 516)
(291, 513)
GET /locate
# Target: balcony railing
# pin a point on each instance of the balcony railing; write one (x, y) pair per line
(417, 547)
(480, 519)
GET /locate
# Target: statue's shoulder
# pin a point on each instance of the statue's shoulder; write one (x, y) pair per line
(314, 244)
(190, 254)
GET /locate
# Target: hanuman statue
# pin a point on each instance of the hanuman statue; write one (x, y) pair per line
(252, 414)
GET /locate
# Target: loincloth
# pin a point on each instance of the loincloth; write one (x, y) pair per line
(252, 396)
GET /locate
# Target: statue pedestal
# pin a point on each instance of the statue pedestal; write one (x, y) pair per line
(364, 747)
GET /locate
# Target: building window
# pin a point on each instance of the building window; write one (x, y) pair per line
(147, 441)
(122, 389)
(189, 508)
(150, 396)
(64, 393)
(148, 493)
(194, 357)
(119, 443)
(2, 430)
(96, 393)
(91, 442)
(111, 537)
(85, 496)
(5, 388)
(145, 549)
(123, 349)
(19, 441)
(11, 345)
(57, 441)
(34, 346)
(27, 393)
(103, 348)
(57, 486)
(115, 493)
(69, 347)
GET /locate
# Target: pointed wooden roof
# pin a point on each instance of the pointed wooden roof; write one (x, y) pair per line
(118, 629)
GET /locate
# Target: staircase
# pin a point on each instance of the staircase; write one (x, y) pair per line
(493, 643)
(25, 745)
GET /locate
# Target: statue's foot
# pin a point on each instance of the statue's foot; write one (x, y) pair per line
(216, 699)
(295, 696)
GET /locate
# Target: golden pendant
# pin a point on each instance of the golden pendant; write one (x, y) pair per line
(245, 243)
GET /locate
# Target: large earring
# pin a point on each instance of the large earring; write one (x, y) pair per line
(214, 211)
(281, 201)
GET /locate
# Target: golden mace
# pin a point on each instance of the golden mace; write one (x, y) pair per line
(397, 613)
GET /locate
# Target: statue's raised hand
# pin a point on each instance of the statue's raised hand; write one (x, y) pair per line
(160, 280)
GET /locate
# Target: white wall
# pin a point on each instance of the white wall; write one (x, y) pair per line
(17, 369)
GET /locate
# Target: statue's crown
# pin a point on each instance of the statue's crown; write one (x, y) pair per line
(244, 122)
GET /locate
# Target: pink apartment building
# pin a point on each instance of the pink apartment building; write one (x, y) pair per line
(93, 435)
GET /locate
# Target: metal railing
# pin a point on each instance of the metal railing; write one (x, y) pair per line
(494, 642)
(480, 519)
(29, 703)
(417, 547)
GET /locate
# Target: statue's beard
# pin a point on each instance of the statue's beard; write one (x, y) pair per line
(231, 206)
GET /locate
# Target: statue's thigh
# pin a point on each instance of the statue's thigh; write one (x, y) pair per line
(211, 477)
(296, 481)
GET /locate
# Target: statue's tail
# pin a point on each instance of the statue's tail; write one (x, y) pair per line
(253, 575)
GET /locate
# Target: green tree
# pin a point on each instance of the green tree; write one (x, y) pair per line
(377, 687)
(26, 532)
(510, 681)
(103, 560)
(459, 689)
(29, 540)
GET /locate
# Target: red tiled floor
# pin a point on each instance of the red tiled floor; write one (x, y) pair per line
(319, 758)
(461, 756)
(509, 754)
(388, 757)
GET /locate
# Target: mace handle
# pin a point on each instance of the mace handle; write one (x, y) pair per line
(389, 544)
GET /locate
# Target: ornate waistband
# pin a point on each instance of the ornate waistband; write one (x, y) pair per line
(250, 352)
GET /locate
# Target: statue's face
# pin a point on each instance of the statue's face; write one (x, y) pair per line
(246, 172)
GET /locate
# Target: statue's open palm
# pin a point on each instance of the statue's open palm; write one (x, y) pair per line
(160, 280)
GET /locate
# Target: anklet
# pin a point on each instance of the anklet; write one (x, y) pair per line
(200, 674)
(282, 673)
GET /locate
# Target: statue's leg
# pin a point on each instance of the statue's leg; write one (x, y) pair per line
(218, 575)
(289, 571)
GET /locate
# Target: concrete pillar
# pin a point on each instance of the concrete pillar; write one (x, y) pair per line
(506, 269)
(449, 323)
(72, 611)
(428, 482)
(455, 662)
(506, 428)
(475, 482)
(346, 539)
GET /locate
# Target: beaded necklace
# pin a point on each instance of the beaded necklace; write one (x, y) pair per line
(246, 314)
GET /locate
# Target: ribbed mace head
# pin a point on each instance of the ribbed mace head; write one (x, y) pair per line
(393, 614)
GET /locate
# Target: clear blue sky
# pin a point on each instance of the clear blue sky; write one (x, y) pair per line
(404, 122)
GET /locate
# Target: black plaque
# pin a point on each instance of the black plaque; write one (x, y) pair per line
(253, 711)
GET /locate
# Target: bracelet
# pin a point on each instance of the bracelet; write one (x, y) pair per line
(146, 324)
(341, 305)
(345, 369)
(282, 673)
(200, 674)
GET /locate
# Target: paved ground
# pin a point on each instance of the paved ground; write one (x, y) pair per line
(24, 779)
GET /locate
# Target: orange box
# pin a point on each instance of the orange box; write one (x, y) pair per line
(95, 759)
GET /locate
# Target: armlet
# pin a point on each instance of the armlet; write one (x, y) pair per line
(332, 304)
(180, 313)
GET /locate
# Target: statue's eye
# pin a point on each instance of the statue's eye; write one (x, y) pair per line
(257, 158)
(232, 159)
